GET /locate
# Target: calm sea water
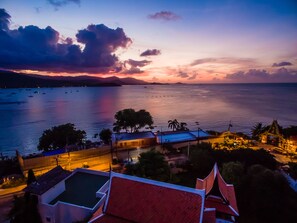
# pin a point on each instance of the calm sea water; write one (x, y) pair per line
(26, 113)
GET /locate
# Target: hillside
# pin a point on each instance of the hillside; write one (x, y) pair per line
(10, 79)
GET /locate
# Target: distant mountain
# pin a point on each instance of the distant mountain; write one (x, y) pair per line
(10, 79)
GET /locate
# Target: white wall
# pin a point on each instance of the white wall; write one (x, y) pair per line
(62, 212)
(53, 192)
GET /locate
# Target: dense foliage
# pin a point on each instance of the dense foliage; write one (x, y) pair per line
(151, 165)
(263, 194)
(290, 131)
(105, 135)
(59, 136)
(177, 126)
(31, 177)
(25, 209)
(130, 120)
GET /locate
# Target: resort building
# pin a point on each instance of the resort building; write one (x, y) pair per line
(180, 136)
(220, 200)
(69, 197)
(133, 140)
(139, 200)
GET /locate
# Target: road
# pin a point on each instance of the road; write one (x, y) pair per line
(6, 202)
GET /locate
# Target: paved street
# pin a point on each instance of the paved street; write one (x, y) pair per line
(6, 202)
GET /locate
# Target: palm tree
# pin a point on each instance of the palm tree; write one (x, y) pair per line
(183, 126)
(173, 124)
(257, 130)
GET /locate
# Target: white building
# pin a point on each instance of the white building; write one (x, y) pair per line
(69, 197)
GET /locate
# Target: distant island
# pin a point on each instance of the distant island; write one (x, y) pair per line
(9, 79)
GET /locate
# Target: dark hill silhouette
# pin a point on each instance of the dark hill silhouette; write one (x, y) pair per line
(10, 79)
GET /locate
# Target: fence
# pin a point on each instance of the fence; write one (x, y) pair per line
(44, 163)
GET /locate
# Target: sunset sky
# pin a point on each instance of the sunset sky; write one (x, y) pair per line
(193, 41)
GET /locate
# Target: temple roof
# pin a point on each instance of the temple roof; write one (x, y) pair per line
(227, 192)
(134, 199)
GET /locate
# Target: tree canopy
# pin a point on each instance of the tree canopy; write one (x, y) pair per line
(130, 120)
(31, 177)
(151, 165)
(25, 209)
(264, 195)
(59, 136)
(177, 126)
(105, 135)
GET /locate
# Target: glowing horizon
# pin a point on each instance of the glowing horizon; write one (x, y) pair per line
(168, 41)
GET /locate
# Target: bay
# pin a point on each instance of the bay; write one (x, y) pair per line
(26, 113)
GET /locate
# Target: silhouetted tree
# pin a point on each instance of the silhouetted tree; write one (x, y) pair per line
(257, 130)
(202, 159)
(182, 127)
(151, 165)
(290, 131)
(130, 120)
(60, 136)
(265, 196)
(25, 209)
(105, 135)
(31, 177)
(173, 124)
(232, 172)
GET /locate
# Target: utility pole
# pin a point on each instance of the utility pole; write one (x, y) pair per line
(230, 125)
(111, 150)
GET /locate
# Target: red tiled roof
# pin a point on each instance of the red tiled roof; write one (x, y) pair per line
(110, 219)
(209, 216)
(207, 182)
(139, 200)
(227, 190)
(219, 205)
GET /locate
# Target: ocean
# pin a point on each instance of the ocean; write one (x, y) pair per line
(26, 113)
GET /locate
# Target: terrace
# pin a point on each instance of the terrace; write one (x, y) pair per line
(81, 188)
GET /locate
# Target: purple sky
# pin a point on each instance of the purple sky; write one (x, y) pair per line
(163, 41)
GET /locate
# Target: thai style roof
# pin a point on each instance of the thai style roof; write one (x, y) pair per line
(209, 215)
(47, 180)
(274, 128)
(226, 203)
(133, 136)
(134, 199)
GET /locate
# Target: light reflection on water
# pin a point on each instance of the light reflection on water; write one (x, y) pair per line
(23, 118)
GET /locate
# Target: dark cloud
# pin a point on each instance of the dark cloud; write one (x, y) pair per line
(282, 64)
(4, 20)
(137, 63)
(259, 76)
(132, 70)
(33, 48)
(133, 66)
(224, 60)
(182, 74)
(59, 3)
(193, 77)
(164, 15)
(153, 52)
